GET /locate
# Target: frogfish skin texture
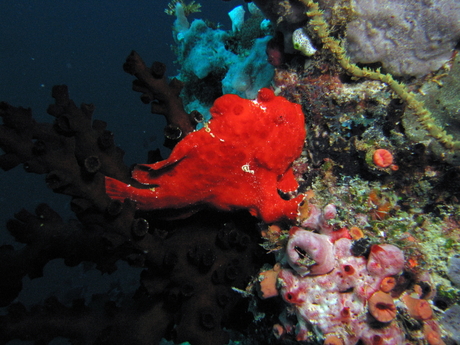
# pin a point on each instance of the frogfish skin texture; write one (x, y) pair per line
(240, 160)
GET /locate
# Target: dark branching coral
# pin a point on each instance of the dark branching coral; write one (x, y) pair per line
(190, 265)
(163, 97)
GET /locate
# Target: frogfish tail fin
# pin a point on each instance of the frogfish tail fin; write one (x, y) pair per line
(118, 190)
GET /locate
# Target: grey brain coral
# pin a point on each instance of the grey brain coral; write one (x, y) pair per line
(407, 37)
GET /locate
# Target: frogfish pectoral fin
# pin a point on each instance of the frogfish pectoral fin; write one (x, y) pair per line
(287, 182)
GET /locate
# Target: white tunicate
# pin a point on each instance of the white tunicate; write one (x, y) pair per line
(181, 24)
(237, 17)
(302, 43)
(254, 10)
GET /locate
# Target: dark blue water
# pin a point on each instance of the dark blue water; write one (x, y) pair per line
(82, 44)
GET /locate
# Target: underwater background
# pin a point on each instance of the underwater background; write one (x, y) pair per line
(352, 197)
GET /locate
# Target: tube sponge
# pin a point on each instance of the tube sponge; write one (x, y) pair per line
(309, 253)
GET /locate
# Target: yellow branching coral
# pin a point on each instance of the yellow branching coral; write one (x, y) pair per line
(190, 8)
(321, 28)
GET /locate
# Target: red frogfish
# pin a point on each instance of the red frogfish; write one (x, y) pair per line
(240, 160)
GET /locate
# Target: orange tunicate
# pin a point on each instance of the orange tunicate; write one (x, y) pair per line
(274, 229)
(304, 209)
(419, 309)
(268, 282)
(409, 237)
(382, 306)
(381, 212)
(432, 336)
(309, 194)
(356, 233)
(387, 284)
(333, 340)
(278, 330)
(412, 262)
(382, 158)
(374, 197)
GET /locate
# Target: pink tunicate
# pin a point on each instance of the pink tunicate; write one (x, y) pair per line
(329, 212)
(309, 253)
(385, 260)
(314, 218)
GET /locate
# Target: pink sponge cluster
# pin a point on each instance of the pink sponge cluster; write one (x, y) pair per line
(343, 298)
